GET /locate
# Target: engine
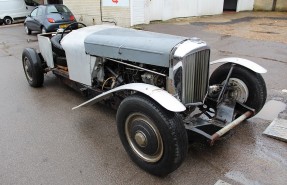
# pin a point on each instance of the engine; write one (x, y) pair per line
(153, 79)
(108, 74)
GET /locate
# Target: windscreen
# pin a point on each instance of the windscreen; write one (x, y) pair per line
(57, 9)
(31, 3)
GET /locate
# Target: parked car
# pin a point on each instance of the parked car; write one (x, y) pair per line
(159, 84)
(49, 18)
(12, 10)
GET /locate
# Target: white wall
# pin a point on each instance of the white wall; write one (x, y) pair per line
(210, 7)
(169, 9)
(155, 9)
(243, 5)
(180, 8)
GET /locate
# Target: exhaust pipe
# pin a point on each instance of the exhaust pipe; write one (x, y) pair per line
(230, 126)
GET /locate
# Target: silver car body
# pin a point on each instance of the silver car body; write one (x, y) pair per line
(84, 46)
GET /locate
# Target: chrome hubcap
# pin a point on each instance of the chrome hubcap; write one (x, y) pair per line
(144, 137)
(141, 139)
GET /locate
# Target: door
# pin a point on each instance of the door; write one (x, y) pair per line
(137, 12)
(39, 18)
(230, 5)
(30, 21)
(155, 10)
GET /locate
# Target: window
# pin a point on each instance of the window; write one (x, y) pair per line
(34, 12)
(57, 9)
(40, 12)
(31, 3)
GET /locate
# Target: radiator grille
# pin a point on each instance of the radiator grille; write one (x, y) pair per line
(195, 77)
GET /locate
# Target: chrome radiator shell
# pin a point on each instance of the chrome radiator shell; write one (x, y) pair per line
(189, 74)
(195, 73)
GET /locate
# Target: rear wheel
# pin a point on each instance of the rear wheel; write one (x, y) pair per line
(154, 138)
(32, 66)
(43, 30)
(27, 30)
(247, 86)
(8, 20)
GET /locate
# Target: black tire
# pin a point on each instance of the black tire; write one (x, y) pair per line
(27, 30)
(164, 144)
(253, 81)
(7, 20)
(32, 66)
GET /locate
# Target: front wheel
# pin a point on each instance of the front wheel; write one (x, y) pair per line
(154, 138)
(245, 86)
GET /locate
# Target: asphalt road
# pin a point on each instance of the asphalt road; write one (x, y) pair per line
(42, 141)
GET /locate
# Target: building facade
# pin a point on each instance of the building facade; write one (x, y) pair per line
(270, 5)
(128, 13)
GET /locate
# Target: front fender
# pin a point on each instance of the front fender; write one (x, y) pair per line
(159, 95)
(243, 62)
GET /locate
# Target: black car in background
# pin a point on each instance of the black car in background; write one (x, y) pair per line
(49, 18)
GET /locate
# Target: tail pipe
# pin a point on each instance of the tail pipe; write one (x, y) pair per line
(230, 126)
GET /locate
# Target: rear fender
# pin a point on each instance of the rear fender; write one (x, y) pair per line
(159, 95)
(45, 47)
(243, 62)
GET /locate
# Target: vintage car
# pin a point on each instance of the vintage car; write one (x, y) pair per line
(158, 83)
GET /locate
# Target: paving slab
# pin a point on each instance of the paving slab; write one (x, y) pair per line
(277, 129)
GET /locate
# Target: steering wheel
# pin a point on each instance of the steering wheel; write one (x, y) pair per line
(70, 28)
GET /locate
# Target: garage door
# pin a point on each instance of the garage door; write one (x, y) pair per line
(137, 12)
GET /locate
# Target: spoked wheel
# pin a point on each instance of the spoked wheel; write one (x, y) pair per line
(32, 66)
(154, 138)
(245, 86)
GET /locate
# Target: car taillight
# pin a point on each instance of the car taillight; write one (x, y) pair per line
(72, 18)
(51, 20)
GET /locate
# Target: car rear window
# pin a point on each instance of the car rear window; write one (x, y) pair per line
(57, 9)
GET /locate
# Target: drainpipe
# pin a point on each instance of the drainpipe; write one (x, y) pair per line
(274, 5)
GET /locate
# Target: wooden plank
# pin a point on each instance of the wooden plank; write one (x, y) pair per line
(277, 129)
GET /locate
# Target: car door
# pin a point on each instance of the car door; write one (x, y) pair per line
(30, 21)
(39, 18)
